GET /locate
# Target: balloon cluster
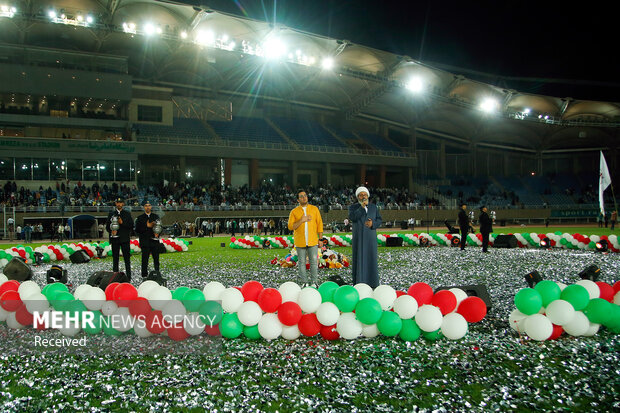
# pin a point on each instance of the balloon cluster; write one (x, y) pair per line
(567, 241)
(251, 310)
(549, 309)
(58, 252)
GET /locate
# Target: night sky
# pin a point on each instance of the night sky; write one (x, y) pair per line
(575, 45)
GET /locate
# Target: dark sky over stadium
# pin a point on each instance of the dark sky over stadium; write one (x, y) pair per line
(534, 47)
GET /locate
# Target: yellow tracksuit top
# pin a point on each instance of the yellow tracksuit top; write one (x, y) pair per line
(314, 226)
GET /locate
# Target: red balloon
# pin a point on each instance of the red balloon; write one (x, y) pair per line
(23, 317)
(139, 307)
(109, 291)
(445, 300)
(154, 322)
(473, 309)
(309, 325)
(399, 293)
(10, 301)
(251, 290)
(124, 293)
(329, 332)
(213, 331)
(616, 287)
(422, 292)
(178, 333)
(10, 285)
(289, 313)
(269, 300)
(557, 332)
(607, 291)
(89, 252)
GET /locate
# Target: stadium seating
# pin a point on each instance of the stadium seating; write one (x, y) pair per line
(307, 132)
(379, 143)
(182, 128)
(246, 129)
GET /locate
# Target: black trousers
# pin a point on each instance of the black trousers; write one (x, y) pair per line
(485, 241)
(145, 260)
(464, 231)
(116, 248)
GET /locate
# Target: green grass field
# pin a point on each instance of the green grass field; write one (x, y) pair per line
(491, 368)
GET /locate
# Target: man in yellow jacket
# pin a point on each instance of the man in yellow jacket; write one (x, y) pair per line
(307, 225)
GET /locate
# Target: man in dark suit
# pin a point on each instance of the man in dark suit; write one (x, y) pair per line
(149, 240)
(486, 227)
(463, 221)
(119, 239)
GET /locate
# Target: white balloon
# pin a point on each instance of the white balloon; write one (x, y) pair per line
(309, 300)
(578, 326)
(290, 332)
(428, 318)
(231, 299)
(454, 326)
(561, 285)
(173, 312)
(108, 308)
(140, 329)
(516, 320)
(459, 294)
(159, 297)
(560, 312)
(386, 296)
(11, 321)
(36, 302)
(122, 320)
(617, 298)
(348, 326)
(364, 290)
(289, 291)
(213, 290)
(4, 314)
(81, 291)
(71, 329)
(269, 327)
(3, 277)
(538, 327)
(249, 313)
(593, 289)
(592, 330)
(193, 324)
(327, 314)
(27, 288)
(94, 298)
(370, 330)
(405, 306)
(146, 287)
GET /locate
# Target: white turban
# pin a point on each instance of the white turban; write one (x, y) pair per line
(361, 189)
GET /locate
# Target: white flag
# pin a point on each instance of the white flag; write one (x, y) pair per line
(604, 181)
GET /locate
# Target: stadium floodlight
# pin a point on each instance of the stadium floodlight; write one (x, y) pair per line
(52, 14)
(7, 11)
(415, 85)
(274, 48)
(205, 38)
(183, 35)
(90, 19)
(527, 111)
(149, 29)
(489, 105)
(129, 28)
(327, 63)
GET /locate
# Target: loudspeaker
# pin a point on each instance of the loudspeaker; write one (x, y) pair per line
(394, 242)
(476, 290)
(533, 278)
(17, 270)
(79, 257)
(505, 241)
(157, 277)
(589, 273)
(404, 225)
(102, 279)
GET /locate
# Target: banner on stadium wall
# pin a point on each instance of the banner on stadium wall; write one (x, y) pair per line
(574, 213)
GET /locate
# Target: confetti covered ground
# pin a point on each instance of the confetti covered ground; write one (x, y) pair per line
(491, 368)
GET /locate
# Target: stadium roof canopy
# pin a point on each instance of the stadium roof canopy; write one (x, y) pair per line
(218, 54)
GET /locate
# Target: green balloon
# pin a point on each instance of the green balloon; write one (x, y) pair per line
(577, 295)
(193, 299)
(179, 293)
(549, 291)
(409, 331)
(432, 335)
(96, 324)
(108, 330)
(598, 311)
(327, 290)
(211, 312)
(368, 311)
(61, 300)
(74, 307)
(528, 301)
(613, 321)
(251, 332)
(46, 257)
(51, 289)
(389, 324)
(346, 298)
(231, 327)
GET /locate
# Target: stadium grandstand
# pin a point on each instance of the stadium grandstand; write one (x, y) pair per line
(209, 114)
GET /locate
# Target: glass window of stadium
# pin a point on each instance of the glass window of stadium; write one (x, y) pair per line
(123, 170)
(58, 169)
(74, 170)
(23, 168)
(6, 168)
(40, 169)
(106, 170)
(91, 170)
